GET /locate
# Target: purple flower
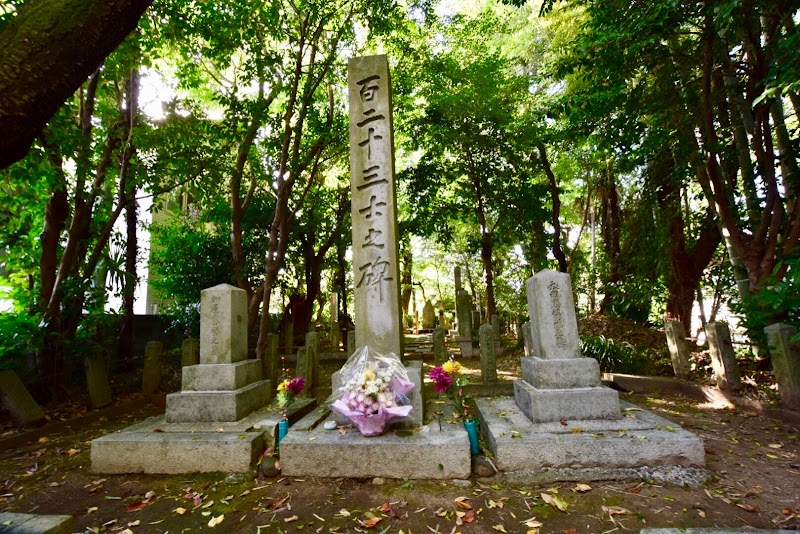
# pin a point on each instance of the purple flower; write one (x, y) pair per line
(441, 380)
(296, 385)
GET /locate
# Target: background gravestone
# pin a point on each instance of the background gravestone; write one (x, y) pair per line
(190, 352)
(428, 316)
(97, 381)
(17, 400)
(723, 357)
(488, 355)
(270, 367)
(151, 374)
(785, 363)
(678, 349)
(351, 342)
(439, 347)
(312, 353)
(303, 368)
(527, 338)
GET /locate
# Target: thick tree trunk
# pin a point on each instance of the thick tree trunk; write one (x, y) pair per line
(46, 52)
(557, 250)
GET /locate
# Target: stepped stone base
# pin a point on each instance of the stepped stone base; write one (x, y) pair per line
(220, 376)
(547, 405)
(157, 446)
(561, 373)
(584, 449)
(36, 524)
(429, 452)
(215, 406)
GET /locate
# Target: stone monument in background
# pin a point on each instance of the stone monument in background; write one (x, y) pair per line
(376, 272)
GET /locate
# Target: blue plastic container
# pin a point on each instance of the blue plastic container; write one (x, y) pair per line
(472, 431)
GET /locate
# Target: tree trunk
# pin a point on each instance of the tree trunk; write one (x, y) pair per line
(46, 52)
(557, 251)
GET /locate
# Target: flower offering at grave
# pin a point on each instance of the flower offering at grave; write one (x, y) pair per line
(287, 391)
(449, 381)
(373, 391)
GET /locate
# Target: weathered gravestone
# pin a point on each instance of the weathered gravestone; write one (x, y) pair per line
(464, 310)
(304, 367)
(785, 363)
(17, 401)
(376, 294)
(151, 374)
(496, 331)
(270, 367)
(527, 338)
(225, 385)
(312, 349)
(97, 381)
(190, 352)
(520, 339)
(351, 342)
(488, 355)
(336, 332)
(678, 350)
(428, 316)
(439, 347)
(723, 357)
(558, 383)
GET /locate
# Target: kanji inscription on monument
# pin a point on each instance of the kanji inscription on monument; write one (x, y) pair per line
(376, 271)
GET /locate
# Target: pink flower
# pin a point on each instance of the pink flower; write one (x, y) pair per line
(441, 380)
(296, 385)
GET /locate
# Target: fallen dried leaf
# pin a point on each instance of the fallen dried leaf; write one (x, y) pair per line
(214, 521)
(290, 519)
(138, 505)
(500, 528)
(582, 488)
(556, 502)
(747, 507)
(180, 511)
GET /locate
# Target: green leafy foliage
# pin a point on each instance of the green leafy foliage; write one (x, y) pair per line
(620, 356)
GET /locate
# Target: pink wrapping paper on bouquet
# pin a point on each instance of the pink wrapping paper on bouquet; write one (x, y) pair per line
(373, 391)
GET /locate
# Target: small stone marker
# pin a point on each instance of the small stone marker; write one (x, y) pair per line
(336, 336)
(520, 339)
(496, 331)
(351, 342)
(376, 272)
(312, 353)
(527, 338)
(271, 364)
(223, 324)
(488, 357)
(17, 400)
(476, 320)
(439, 347)
(723, 357)
(785, 363)
(151, 375)
(97, 381)
(678, 350)
(304, 367)
(190, 352)
(428, 316)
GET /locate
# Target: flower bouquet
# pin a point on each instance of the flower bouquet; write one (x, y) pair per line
(373, 391)
(287, 391)
(448, 380)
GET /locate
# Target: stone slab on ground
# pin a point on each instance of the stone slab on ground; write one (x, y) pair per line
(176, 452)
(15, 398)
(36, 524)
(155, 445)
(206, 406)
(718, 530)
(599, 449)
(425, 453)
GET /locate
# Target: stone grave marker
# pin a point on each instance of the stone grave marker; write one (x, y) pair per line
(351, 342)
(476, 320)
(428, 316)
(271, 367)
(312, 350)
(464, 323)
(527, 338)
(288, 337)
(376, 273)
(225, 386)
(97, 381)
(303, 367)
(190, 352)
(439, 347)
(785, 363)
(558, 383)
(151, 375)
(488, 355)
(678, 350)
(723, 357)
(17, 400)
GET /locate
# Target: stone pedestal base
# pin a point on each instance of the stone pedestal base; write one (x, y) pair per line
(432, 452)
(548, 405)
(566, 373)
(216, 406)
(465, 345)
(220, 376)
(585, 450)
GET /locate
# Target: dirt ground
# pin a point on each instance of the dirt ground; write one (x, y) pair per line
(752, 458)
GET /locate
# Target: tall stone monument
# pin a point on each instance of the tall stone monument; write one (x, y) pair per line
(464, 310)
(374, 206)
(558, 383)
(428, 316)
(225, 386)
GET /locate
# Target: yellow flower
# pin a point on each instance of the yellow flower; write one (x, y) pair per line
(451, 367)
(283, 386)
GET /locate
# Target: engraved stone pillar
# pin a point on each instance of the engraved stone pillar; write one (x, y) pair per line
(312, 348)
(678, 350)
(785, 363)
(270, 368)
(558, 383)
(376, 272)
(304, 367)
(465, 323)
(723, 357)
(428, 316)
(439, 347)
(488, 355)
